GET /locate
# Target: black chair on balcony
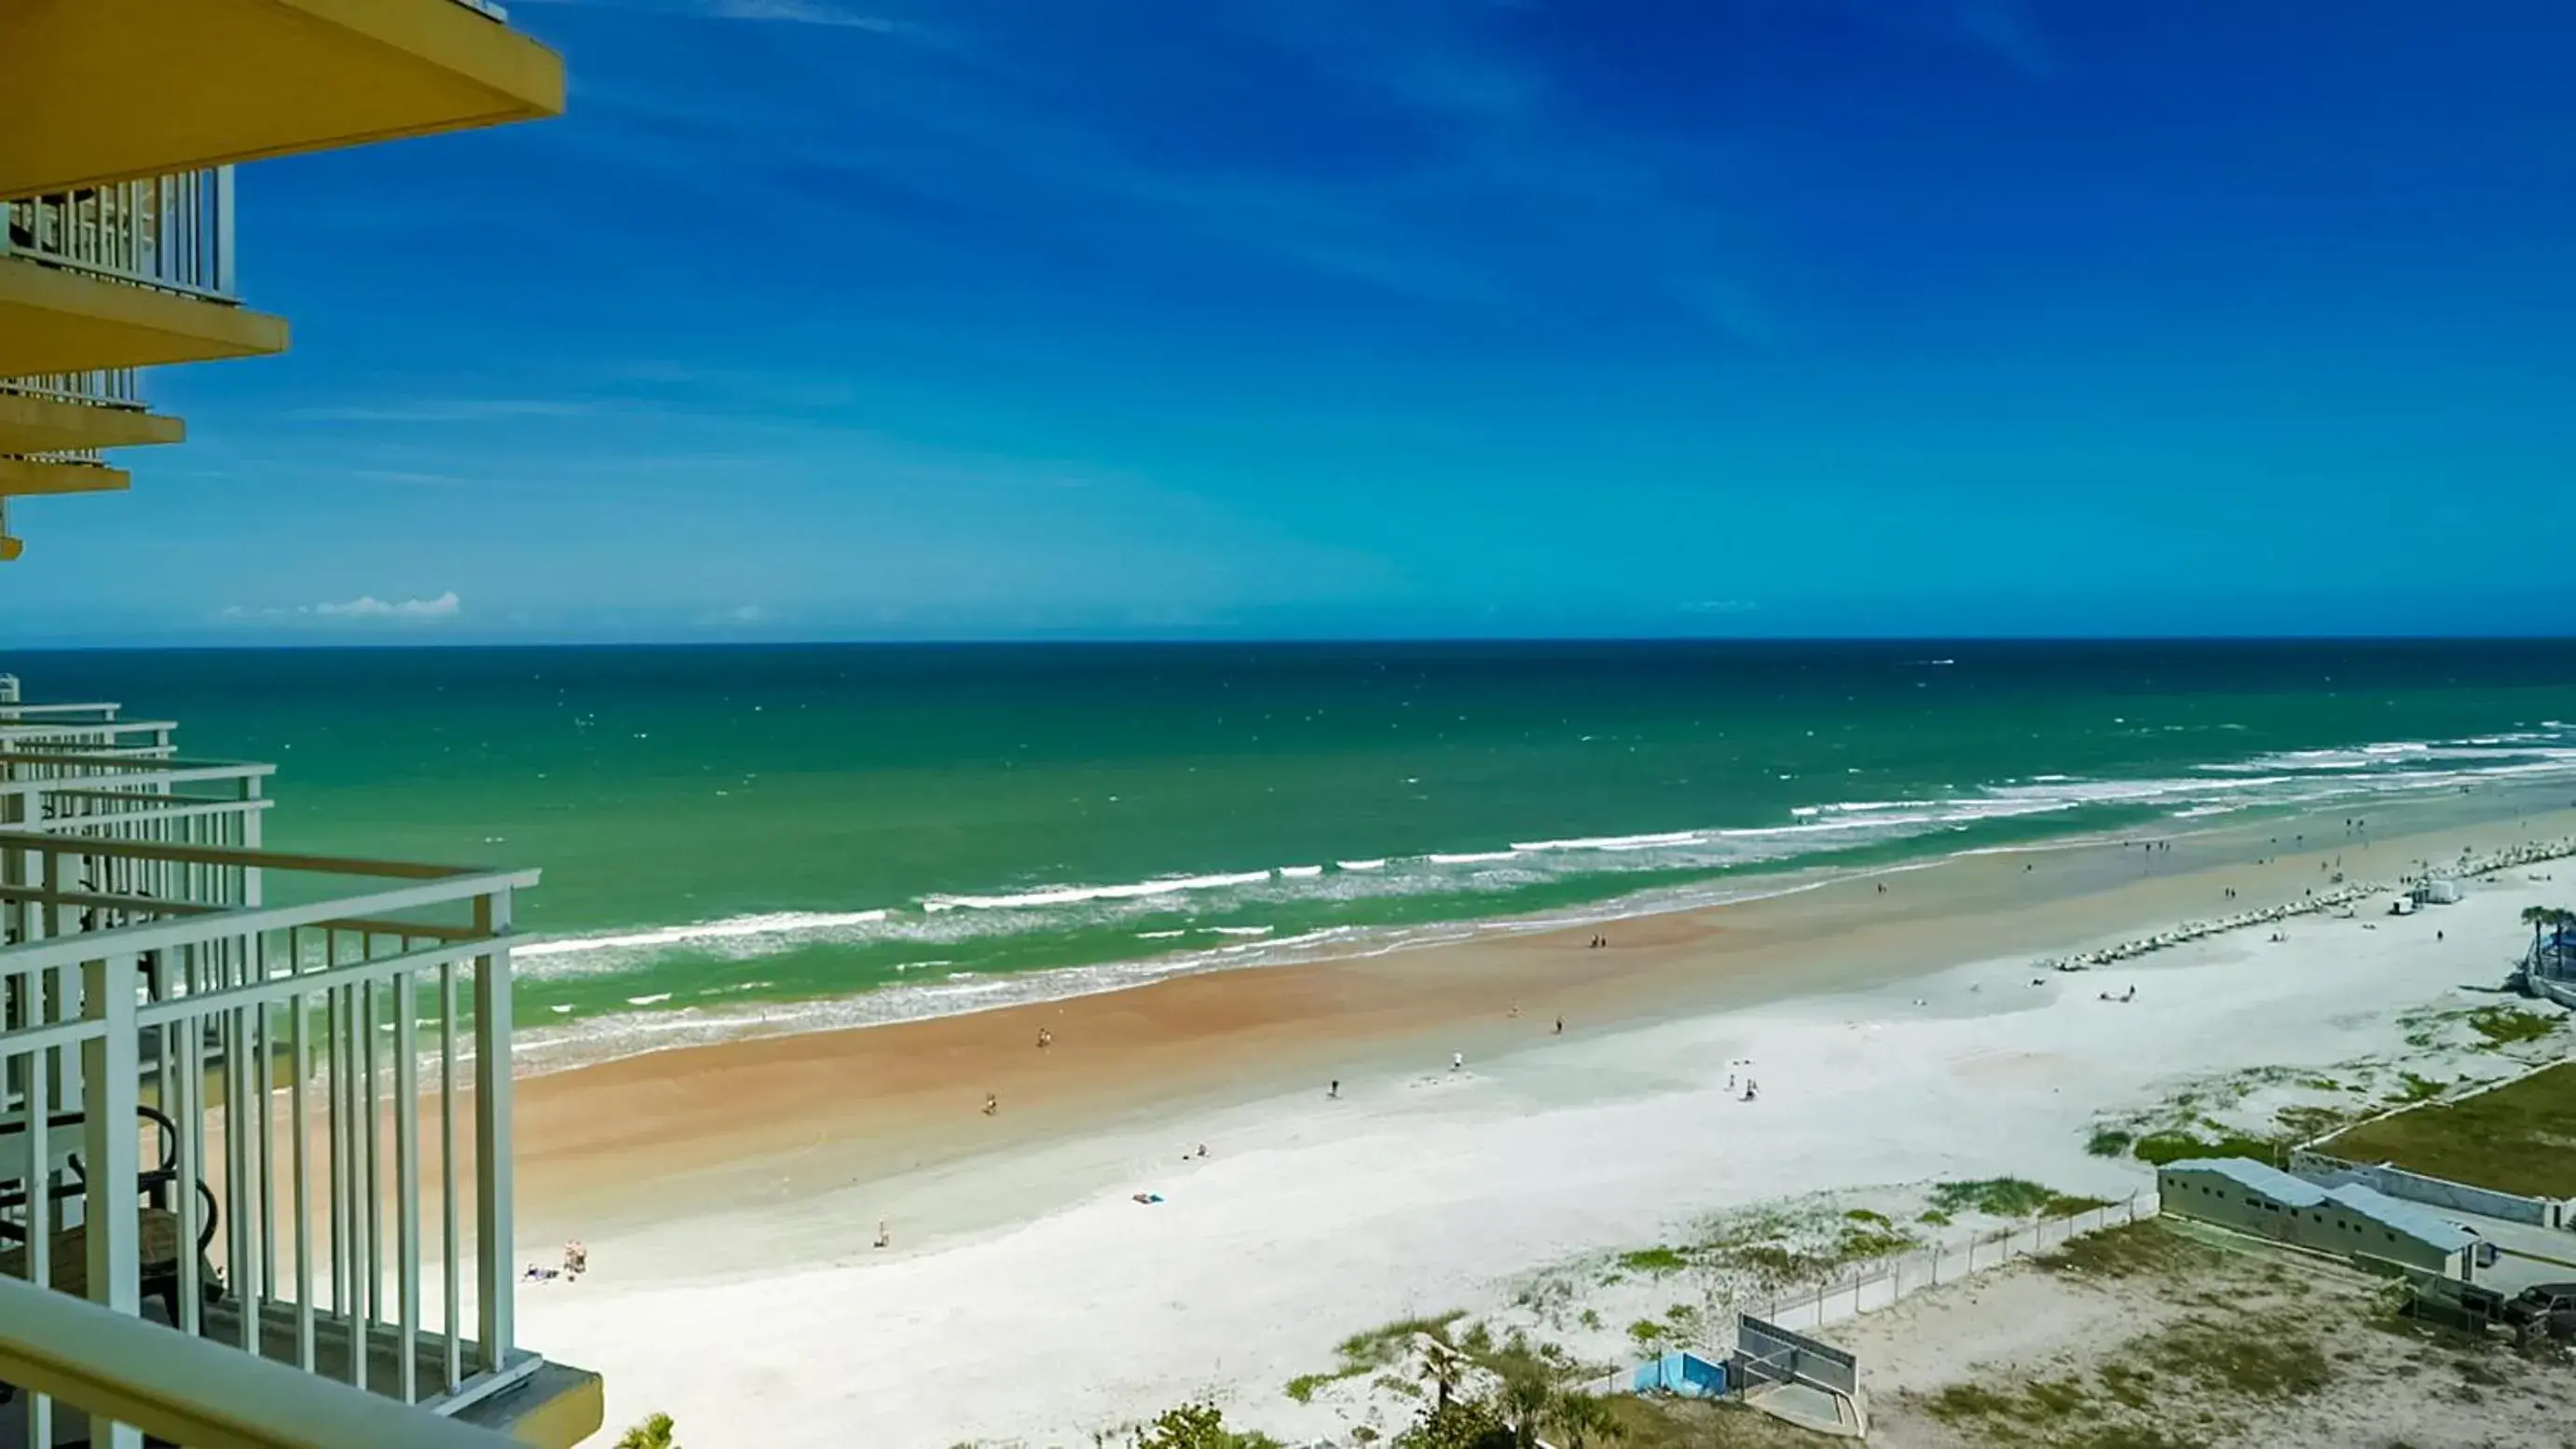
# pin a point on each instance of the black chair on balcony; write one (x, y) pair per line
(158, 1230)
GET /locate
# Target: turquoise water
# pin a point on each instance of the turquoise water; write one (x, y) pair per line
(858, 832)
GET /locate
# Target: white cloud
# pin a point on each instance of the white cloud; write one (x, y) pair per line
(368, 606)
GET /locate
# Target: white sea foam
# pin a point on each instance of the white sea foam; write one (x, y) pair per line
(773, 923)
(2285, 780)
(656, 999)
(1074, 895)
(1610, 842)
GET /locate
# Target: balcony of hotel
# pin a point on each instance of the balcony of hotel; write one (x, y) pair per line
(120, 275)
(114, 90)
(254, 1119)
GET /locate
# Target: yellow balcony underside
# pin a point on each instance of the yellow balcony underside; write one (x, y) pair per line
(47, 425)
(24, 478)
(108, 90)
(53, 320)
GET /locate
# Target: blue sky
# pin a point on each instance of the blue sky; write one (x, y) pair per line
(894, 318)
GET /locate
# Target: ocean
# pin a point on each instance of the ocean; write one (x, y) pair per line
(757, 837)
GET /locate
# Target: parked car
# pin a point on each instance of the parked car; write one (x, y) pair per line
(2551, 1304)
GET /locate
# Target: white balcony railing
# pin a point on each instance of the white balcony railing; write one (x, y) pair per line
(110, 388)
(174, 233)
(125, 1371)
(262, 1099)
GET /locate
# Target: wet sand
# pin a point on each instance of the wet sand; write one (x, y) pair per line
(769, 1119)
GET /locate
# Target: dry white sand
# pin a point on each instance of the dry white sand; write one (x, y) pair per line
(779, 1325)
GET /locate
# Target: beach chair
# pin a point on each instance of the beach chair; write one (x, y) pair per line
(63, 1178)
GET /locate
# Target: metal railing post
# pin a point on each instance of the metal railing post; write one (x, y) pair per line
(495, 1244)
(112, 1075)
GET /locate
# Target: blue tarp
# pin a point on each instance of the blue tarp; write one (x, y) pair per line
(1682, 1373)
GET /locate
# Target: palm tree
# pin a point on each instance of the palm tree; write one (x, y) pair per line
(2536, 917)
(1526, 1398)
(1584, 1421)
(653, 1433)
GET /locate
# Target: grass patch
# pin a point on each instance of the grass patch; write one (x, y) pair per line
(2518, 1138)
(2504, 1025)
(2108, 1142)
(1371, 1350)
(1651, 1423)
(2009, 1197)
(2418, 1089)
(1656, 1262)
(2128, 1252)
(2269, 1359)
(1864, 1215)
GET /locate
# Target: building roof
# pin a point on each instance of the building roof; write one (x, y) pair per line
(2397, 1215)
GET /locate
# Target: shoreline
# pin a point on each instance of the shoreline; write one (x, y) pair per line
(710, 1012)
(1915, 1044)
(796, 1115)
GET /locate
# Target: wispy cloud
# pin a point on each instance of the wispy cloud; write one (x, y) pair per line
(365, 606)
(802, 12)
(449, 410)
(368, 606)
(791, 12)
(1999, 27)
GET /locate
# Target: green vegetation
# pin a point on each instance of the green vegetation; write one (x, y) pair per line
(1374, 1349)
(2505, 1025)
(1197, 1426)
(1659, 1423)
(1655, 1262)
(2108, 1142)
(2178, 1144)
(2009, 1197)
(2418, 1089)
(2270, 1358)
(2127, 1252)
(653, 1433)
(2053, 1412)
(2514, 1138)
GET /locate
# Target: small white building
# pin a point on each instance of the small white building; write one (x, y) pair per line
(2348, 1220)
(2436, 891)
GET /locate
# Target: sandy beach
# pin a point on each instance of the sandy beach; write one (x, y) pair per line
(1897, 1025)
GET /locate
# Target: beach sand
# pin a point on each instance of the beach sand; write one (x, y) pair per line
(730, 1193)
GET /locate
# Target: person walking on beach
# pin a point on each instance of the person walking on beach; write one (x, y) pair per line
(1334, 1092)
(1457, 1061)
(885, 1238)
(992, 1104)
(1560, 1026)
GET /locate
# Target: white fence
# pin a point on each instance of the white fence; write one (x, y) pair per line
(1881, 1283)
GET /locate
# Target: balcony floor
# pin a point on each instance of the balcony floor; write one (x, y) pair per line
(56, 320)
